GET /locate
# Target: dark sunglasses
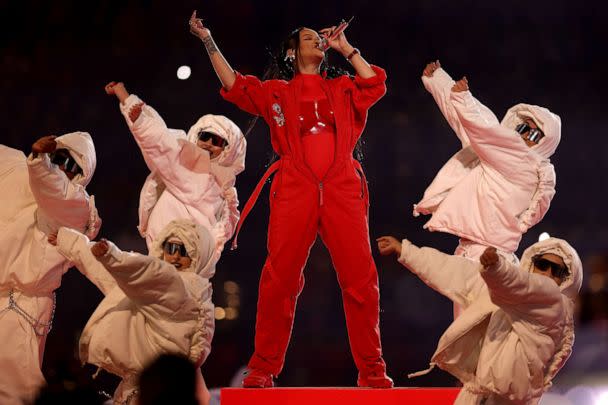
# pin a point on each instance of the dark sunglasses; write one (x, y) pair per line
(533, 134)
(171, 248)
(61, 157)
(557, 270)
(216, 140)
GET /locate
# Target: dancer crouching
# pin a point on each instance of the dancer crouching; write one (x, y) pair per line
(153, 304)
(516, 331)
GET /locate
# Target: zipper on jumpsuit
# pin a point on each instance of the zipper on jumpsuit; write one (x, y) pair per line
(321, 194)
(329, 95)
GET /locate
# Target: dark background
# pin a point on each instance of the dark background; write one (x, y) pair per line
(57, 56)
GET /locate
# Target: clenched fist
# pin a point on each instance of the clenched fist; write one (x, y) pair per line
(100, 248)
(388, 245)
(135, 111)
(489, 257)
(117, 89)
(461, 85)
(46, 144)
(52, 238)
(430, 68)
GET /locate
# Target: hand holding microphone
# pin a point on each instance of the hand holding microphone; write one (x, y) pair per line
(333, 36)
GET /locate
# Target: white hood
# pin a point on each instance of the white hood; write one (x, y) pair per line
(572, 284)
(548, 122)
(81, 147)
(199, 244)
(569, 288)
(233, 156)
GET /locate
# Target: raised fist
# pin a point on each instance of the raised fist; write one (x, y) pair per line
(100, 248)
(46, 144)
(461, 85)
(489, 257)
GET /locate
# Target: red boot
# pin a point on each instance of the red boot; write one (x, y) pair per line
(375, 380)
(258, 379)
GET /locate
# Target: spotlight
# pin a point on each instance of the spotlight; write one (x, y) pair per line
(183, 72)
(602, 399)
(231, 287)
(543, 236)
(231, 313)
(220, 313)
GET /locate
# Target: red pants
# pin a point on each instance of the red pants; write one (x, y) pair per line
(338, 211)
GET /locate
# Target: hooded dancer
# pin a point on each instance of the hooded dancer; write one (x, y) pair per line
(319, 188)
(153, 304)
(501, 182)
(516, 331)
(192, 175)
(39, 194)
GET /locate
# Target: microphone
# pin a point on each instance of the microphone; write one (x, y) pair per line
(334, 34)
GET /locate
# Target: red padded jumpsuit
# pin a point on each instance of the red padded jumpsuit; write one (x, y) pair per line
(303, 205)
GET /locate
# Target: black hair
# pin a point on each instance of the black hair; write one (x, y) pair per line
(282, 68)
(171, 378)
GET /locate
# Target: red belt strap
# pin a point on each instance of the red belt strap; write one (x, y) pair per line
(360, 169)
(252, 200)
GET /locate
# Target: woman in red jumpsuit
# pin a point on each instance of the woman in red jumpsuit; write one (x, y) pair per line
(318, 188)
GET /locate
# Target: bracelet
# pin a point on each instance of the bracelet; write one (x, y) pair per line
(353, 53)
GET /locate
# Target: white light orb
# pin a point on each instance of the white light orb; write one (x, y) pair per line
(220, 313)
(543, 236)
(183, 72)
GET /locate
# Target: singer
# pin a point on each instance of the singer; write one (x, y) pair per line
(316, 117)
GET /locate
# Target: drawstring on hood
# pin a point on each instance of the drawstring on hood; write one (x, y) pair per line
(232, 159)
(548, 122)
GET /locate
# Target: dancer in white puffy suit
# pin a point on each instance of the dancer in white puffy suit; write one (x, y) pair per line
(192, 176)
(516, 331)
(153, 304)
(501, 182)
(38, 194)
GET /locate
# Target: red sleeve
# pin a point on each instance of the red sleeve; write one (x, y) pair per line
(366, 92)
(248, 93)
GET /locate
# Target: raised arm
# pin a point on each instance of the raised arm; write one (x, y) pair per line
(76, 247)
(146, 280)
(182, 165)
(60, 202)
(513, 289)
(497, 146)
(369, 84)
(246, 92)
(224, 71)
(439, 83)
(352, 54)
(452, 276)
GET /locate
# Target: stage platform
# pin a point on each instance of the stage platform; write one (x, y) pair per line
(337, 396)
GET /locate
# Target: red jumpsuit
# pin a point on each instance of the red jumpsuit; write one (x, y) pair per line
(303, 205)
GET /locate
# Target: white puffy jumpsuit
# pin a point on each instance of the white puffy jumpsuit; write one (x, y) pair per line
(514, 334)
(496, 187)
(184, 182)
(36, 198)
(150, 307)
